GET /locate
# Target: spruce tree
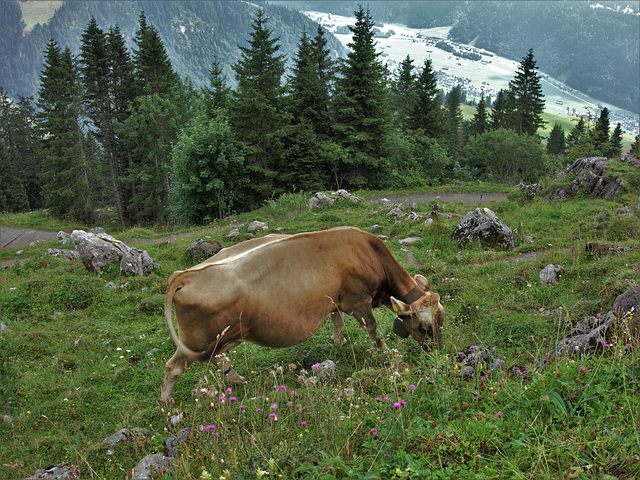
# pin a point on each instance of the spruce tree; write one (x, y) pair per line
(556, 142)
(503, 111)
(403, 94)
(96, 78)
(615, 142)
(600, 134)
(152, 126)
(480, 122)
(326, 70)
(427, 114)
(454, 125)
(257, 107)
(20, 160)
(362, 107)
(65, 170)
(529, 98)
(216, 95)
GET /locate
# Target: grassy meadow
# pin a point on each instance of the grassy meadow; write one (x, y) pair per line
(81, 361)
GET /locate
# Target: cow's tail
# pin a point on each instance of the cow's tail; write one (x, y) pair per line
(228, 335)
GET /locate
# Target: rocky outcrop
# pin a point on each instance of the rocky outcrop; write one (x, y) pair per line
(201, 249)
(588, 177)
(485, 226)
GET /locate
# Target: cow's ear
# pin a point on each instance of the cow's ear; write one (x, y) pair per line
(422, 282)
(400, 307)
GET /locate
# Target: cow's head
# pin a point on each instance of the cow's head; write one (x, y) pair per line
(422, 318)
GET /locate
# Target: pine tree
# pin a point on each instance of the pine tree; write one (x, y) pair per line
(152, 126)
(615, 142)
(154, 71)
(635, 147)
(600, 134)
(65, 171)
(529, 98)
(257, 107)
(19, 185)
(503, 111)
(427, 113)
(556, 142)
(403, 93)
(216, 96)
(326, 70)
(362, 107)
(96, 78)
(454, 122)
(480, 122)
(122, 91)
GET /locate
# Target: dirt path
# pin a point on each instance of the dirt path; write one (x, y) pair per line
(17, 238)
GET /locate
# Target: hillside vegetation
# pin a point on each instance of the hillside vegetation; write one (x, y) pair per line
(80, 361)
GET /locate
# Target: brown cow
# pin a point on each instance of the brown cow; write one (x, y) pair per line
(277, 290)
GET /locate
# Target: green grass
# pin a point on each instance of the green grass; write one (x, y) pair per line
(78, 363)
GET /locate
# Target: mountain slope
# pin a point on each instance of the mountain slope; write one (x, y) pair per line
(194, 33)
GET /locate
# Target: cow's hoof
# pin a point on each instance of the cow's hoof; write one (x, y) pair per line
(236, 379)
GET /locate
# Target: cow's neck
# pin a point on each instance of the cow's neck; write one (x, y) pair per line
(413, 295)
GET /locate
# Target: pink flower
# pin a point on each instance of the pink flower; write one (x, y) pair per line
(208, 428)
(582, 369)
(233, 399)
(283, 388)
(273, 416)
(499, 415)
(294, 393)
(378, 399)
(315, 367)
(229, 390)
(258, 409)
(303, 423)
(412, 387)
(274, 406)
(223, 399)
(396, 405)
(374, 431)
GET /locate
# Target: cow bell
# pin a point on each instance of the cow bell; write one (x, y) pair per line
(398, 328)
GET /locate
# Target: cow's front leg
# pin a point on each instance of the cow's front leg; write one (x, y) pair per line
(337, 318)
(225, 365)
(172, 371)
(370, 325)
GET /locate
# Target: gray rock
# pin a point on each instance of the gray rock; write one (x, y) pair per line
(485, 226)
(531, 190)
(551, 273)
(409, 241)
(375, 228)
(172, 443)
(628, 301)
(256, 225)
(233, 233)
(346, 195)
(124, 435)
(320, 200)
(385, 202)
(152, 465)
(138, 262)
(62, 471)
(64, 253)
(200, 249)
(64, 237)
(99, 250)
(395, 212)
(7, 419)
(3, 326)
(468, 373)
(625, 212)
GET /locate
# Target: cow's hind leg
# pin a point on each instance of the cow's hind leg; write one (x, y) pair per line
(337, 317)
(225, 365)
(172, 371)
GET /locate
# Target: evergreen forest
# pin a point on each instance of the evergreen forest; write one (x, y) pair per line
(117, 127)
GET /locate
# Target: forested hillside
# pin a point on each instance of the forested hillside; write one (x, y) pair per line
(594, 50)
(194, 33)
